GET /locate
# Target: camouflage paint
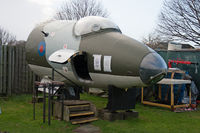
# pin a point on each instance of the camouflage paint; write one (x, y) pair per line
(126, 52)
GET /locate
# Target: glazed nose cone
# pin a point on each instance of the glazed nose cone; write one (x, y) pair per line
(152, 68)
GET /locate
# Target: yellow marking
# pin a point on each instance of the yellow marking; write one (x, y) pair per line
(126, 89)
(72, 106)
(84, 121)
(159, 96)
(157, 104)
(184, 105)
(172, 95)
(80, 114)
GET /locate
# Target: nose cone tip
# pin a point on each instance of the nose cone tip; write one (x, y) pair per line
(152, 68)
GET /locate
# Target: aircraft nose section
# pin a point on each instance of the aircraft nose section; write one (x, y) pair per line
(152, 68)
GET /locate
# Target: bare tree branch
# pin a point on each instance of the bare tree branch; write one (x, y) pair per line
(76, 9)
(155, 41)
(6, 37)
(180, 19)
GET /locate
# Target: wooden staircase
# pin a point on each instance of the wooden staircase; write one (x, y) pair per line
(78, 111)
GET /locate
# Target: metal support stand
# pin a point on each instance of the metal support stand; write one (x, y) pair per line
(121, 99)
(49, 106)
(52, 97)
(62, 113)
(44, 103)
(50, 88)
(34, 100)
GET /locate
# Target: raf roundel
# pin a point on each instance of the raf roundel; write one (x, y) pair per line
(41, 48)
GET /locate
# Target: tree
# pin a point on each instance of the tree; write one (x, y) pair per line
(6, 37)
(180, 19)
(155, 41)
(76, 9)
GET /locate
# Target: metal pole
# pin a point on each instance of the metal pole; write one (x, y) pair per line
(34, 100)
(44, 103)
(53, 74)
(52, 96)
(49, 105)
(62, 112)
(142, 89)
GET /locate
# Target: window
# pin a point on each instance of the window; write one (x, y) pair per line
(93, 24)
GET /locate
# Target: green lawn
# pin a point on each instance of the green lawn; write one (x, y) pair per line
(16, 117)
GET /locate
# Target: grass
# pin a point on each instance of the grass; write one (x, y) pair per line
(16, 117)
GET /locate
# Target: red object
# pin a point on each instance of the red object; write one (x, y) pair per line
(178, 62)
(193, 106)
(41, 48)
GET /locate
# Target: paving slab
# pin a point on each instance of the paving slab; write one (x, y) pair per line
(87, 128)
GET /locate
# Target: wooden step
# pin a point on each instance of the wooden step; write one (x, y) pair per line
(75, 102)
(81, 113)
(83, 107)
(83, 120)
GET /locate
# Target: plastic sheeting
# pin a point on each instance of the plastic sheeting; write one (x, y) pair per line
(186, 55)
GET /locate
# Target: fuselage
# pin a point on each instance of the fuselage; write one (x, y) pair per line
(100, 55)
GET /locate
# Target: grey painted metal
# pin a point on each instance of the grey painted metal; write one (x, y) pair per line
(102, 38)
(62, 55)
(126, 52)
(104, 80)
(93, 24)
(60, 36)
(32, 55)
(100, 80)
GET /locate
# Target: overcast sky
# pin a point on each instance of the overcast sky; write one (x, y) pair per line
(136, 18)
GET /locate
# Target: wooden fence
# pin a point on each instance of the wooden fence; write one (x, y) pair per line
(15, 75)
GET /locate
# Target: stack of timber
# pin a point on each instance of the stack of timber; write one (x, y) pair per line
(75, 111)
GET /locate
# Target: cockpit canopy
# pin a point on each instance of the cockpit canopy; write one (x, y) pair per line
(93, 24)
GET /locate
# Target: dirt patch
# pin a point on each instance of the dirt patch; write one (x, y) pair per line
(87, 128)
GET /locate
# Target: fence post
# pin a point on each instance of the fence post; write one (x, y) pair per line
(5, 69)
(9, 69)
(15, 74)
(1, 74)
(13, 70)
